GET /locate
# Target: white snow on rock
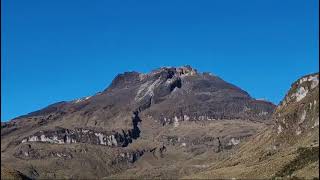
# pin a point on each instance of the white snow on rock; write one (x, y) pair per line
(186, 117)
(183, 144)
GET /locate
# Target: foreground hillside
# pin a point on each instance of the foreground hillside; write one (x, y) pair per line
(289, 149)
(169, 123)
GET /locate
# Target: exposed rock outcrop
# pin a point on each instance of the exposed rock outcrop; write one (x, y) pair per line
(298, 113)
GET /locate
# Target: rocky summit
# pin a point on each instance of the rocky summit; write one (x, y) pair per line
(173, 122)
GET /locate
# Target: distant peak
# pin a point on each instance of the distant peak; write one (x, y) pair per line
(133, 77)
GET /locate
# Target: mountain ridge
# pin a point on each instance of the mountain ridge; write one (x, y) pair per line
(135, 77)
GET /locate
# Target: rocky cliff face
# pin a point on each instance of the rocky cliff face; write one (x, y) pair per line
(139, 118)
(298, 113)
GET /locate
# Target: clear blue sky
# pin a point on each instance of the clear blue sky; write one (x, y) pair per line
(55, 50)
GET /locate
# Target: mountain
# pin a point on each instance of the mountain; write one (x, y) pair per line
(170, 123)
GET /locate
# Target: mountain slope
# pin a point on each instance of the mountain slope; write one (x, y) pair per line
(139, 124)
(289, 149)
